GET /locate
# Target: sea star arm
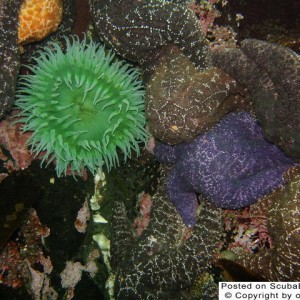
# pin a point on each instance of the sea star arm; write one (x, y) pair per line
(246, 191)
(281, 64)
(137, 28)
(9, 53)
(183, 198)
(122, 240)
(165, 153)
(272, 75)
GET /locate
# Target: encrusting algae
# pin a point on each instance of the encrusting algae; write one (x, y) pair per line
(38, 18)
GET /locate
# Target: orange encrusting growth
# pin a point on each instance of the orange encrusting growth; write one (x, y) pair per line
(38, 18)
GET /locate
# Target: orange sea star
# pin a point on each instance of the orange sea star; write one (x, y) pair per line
(38, 18)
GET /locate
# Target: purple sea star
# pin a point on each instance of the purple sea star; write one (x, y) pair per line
(232, 165)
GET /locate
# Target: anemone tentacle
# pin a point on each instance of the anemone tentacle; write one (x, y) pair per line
(82, 105)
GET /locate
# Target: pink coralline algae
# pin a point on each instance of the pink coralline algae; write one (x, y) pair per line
(72, 274)
(83, 216)
(248, 231)
(206, 12)
(218, 35)
(13, 140)
(18, 260)
(143, 219)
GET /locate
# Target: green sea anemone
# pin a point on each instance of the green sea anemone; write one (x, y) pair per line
(81, 106)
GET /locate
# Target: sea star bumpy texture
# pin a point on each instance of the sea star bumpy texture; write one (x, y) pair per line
(9, 52)
(272, 75)
(183, 102)
(136, 28)
(9, 48)
(38, 18)
(232, 165)
(162, 261)
(282, 206)
(64, 29)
